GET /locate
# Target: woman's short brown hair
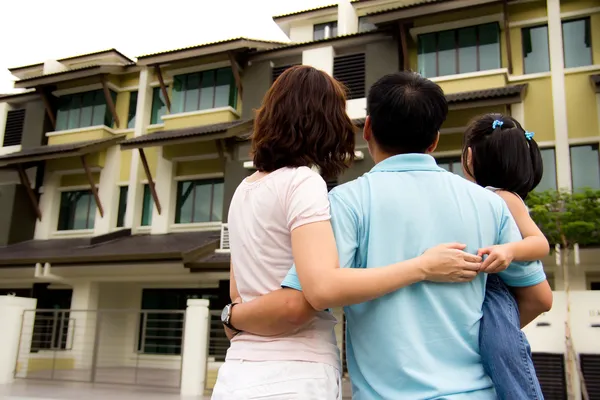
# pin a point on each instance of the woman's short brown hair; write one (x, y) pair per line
(303, 122)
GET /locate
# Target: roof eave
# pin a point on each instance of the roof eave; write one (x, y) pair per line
(418, 10)
(68, 75)
(307, 14)
(202, 50)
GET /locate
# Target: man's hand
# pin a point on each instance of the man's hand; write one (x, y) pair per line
(230, 333)
(498, 258)
(449, 263)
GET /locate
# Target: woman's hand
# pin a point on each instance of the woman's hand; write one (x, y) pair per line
(449, 263)
(498, 258)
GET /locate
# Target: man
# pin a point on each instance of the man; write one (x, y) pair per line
(420, 342)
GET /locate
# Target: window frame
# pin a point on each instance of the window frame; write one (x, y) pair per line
(588, 19)
(156, 116)
(179, 203)
(91, 211)
(122, 208)
(457, 49)
(542, 150)
(147, 201)
(596, 147)
(132, 112)
(107, 121)
(330, 33)
(179, 104)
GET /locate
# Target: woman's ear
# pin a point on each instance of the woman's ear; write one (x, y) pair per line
(468, 166)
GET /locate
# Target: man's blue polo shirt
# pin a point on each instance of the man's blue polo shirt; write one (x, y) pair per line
(422, 341)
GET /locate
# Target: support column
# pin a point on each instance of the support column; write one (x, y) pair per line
(133, 213)
(16, 342)
(108, 192)
(82, 323)
(559, 105)
(166, 189)
(347, 18)
(49, 207)
(195, 348)
(517, 111)
(321, 58)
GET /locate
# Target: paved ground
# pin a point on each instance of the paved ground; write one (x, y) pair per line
(38, 390)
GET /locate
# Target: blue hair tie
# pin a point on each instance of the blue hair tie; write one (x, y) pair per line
(529, 135)
(497, 123)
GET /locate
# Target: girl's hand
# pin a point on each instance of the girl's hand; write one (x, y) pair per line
(498, 258)
(449, 263)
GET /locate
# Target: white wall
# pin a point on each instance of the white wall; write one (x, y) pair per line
(302, 32)
(357, 108)
(320, 58)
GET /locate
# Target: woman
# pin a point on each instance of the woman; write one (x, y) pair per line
(302, 124)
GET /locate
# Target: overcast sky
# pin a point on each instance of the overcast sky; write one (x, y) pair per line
(32, 31)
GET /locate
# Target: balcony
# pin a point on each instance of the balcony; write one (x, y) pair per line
(200, 118)
(80, 135)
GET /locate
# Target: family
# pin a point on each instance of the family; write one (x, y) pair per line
(437, 274)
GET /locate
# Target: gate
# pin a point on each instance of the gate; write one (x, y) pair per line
(132, 347)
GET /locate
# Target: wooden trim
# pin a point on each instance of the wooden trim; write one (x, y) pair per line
(25, 182)
(163, 87)
(150, 180)
(236, 73)
(109, 101)
(93, 187)
(47, 106)
(507, 37)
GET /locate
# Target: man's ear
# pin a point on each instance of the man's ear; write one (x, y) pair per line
(367, 132)
(434, 145)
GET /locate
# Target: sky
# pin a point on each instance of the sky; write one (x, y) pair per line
(32, 31)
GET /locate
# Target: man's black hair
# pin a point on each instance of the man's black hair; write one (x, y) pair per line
(406, 112)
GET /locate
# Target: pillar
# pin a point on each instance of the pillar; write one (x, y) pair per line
(16, 342)
(195, 348)
(133, 212)
(108, 191)
(347, 18)
(83, 315)
(49, 204)
(320, 58)
(166, 190)
(559, 105)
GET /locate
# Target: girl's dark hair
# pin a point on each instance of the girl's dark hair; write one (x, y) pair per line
(303, 122)
(502, 155)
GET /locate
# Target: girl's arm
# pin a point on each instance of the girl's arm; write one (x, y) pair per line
(534, 245)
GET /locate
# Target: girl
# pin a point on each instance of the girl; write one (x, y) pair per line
(303, 123)
(500, 155)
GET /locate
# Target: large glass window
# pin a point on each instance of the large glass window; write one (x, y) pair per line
(536, 55)
(549, 178)
(83, 109)
(147, 205)
(77, 210)
(452, 164)
(132, 109)
(159, 107)
(459, 51)
(577, 43)
(325, 31)
(123, 191)
(204, 90)
(199, 201)
(364, 25)
(585, 167)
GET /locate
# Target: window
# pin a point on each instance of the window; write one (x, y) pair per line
(585, 167)
(459, 51)
(147, 205)
(199, 201)
(123, 191)
(364, 25)
(327, 30)
(536, 55)
(159, 107)
(132, 109)
(204, 90)
(77, 210)
(83, 109)
(453, 165)
(549, 178)
(577, 43)
(13, 133)
(51, 328)
(162, 332)
(350, 70)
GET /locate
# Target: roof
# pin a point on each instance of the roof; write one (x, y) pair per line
(506, 91)
(96, 53)
(308, 11)
(53, 151)
(415, 3)
(24, 95)
(196, 133)
(205, 49)
(69, 74)
(124, 247)
(212, 261)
